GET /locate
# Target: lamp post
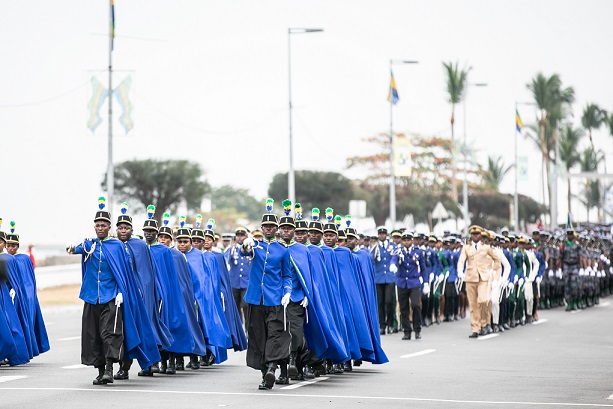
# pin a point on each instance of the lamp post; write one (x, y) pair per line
(515, 195)
(392, 161)
(465, 186)
(291, 183)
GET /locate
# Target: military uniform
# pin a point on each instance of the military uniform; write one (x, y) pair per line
(385, 278)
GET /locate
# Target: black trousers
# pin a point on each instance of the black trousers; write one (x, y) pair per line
(295, 317)
(101, 333)
(385, 301)
(412, 295)
(241, 304)
(451, 300)
(269, 341)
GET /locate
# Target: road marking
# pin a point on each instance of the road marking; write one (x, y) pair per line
(486, 337)
(298, 385)
(454, 402)
(576, 311)
(610, 397)
(77, 366)
(11, 378)
(539, 321)
(604, 304)
(424, 352)
(69, 338)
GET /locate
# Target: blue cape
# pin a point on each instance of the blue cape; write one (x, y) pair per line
(239, 340)
(24, 263)
(12, 343)
(347, 328)
(369, 296)
(325, 307)
(139, 340)
(149, 285)
(351, 286)
(172, 308)
(210, 312)
(191, 306)
(21, 283)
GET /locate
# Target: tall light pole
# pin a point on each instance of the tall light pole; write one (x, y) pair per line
(291, 183)
(465, 186)
(515, 195)
(392, 161)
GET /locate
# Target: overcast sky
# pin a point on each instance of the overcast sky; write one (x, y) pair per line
(210, 85)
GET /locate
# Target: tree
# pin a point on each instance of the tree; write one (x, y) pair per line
(238, 200)
(456, 82)
(589, 162)
(593, 117)
(491, 209)
(495, 173)
(315, 189)
(569, 153)
(163, 183)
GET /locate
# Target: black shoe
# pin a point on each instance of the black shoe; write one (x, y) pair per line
(107, 377)
(337, 369)
(506, 326)
(146, 372)
(163, 366)
(98, 380)
(522, 322)
(263, 386)
(292, 370)
(488, 329)
(308, 372)
(438, 321)
(500, 328)
(394, 330)
(495, 329)
(347, 366)
(155, 368)
(357, 362)
(473, 335)
(172, 368)
(418, 335)
(193, 363)
(121, 375)
(529, 319)
(482, 331)
(180, 365)
(269, 377)
(282, 380)
(189, 365)
(407, 336)
(427, 322)
(456, 318)
(382, 331)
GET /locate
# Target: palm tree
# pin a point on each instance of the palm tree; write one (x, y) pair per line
(456, 83)
(569, 152)
(589, 162)
(495, 173)
(593, 117)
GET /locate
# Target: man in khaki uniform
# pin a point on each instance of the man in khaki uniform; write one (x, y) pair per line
(478, 258)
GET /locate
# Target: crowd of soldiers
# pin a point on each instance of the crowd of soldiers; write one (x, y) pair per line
(519, 275)
(23, 335)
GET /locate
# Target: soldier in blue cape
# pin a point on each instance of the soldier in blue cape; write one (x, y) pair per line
(26, 282)
(268, 294)
(114, 315)
(148, 283)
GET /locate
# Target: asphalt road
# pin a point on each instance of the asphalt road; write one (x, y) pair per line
(566, 360)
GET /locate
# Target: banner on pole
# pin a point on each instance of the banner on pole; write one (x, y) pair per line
(522, 168)
(402, 156)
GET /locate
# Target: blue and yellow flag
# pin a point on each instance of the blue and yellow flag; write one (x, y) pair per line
(392, 95)
(112, 24)
(519, 125)
(121, 93)
(569, 224)
(99, 94)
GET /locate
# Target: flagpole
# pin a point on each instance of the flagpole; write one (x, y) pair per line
(110, 175)
(392, 170)
(515, 196)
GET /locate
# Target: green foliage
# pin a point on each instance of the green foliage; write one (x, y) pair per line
(496, 171)
(456, 81)
(315, 189)
(165, 183)
(593, 117)
(491, 209)
(238, 201)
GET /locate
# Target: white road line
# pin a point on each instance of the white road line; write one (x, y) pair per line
(486, 337)
(610, 397)
(542, 320)
(69, 338)
(454, 402)
(77, 366)
(604, 304)
(576, 311)
(298, 385)
(424, 352)
(11, 378)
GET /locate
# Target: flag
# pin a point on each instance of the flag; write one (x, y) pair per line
(519, 125)
(121, 93)
(112, 24)
(392, 95)
(569, 223)
(402, 156)
(99, 94)
(522, 168)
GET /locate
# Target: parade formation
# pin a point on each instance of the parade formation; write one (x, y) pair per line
(303, 297)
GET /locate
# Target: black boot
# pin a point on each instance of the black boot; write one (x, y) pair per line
(155, 368)
(146, 372)
(107, 377)
(283, 379)
(124, 371)
(180, 365)
(163, 366)
(171, 369)
(98, 380)
(269, 377)
(308, 372)
(262, 386)
(357, 362)
(193, 360)
(347, 366)
(292, 370)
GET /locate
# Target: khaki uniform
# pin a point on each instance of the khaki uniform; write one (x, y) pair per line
(478, 281)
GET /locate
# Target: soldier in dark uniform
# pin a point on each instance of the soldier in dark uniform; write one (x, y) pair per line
(385, 279)
(570, 267)
(240, 267)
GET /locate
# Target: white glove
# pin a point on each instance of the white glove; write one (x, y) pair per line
(539, 279)
(421, 280)
(550, 273)
(248, 242)
(515, 280)
(12, 294)
(393, 268)
(440, 277)
(611, 270)
(581, 272)
(460, 274)
(119, 299)
(285, 300)
(426, 289)
(431, 277)
(305, 302)
(520, 282)
(592, 273)
(598, 274)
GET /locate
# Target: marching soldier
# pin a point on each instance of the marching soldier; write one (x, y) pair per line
(385, 278)
(240, 267)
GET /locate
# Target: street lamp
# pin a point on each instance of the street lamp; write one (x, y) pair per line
(392, 170)
(291, 183)
(465, 187)
(515, 195)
